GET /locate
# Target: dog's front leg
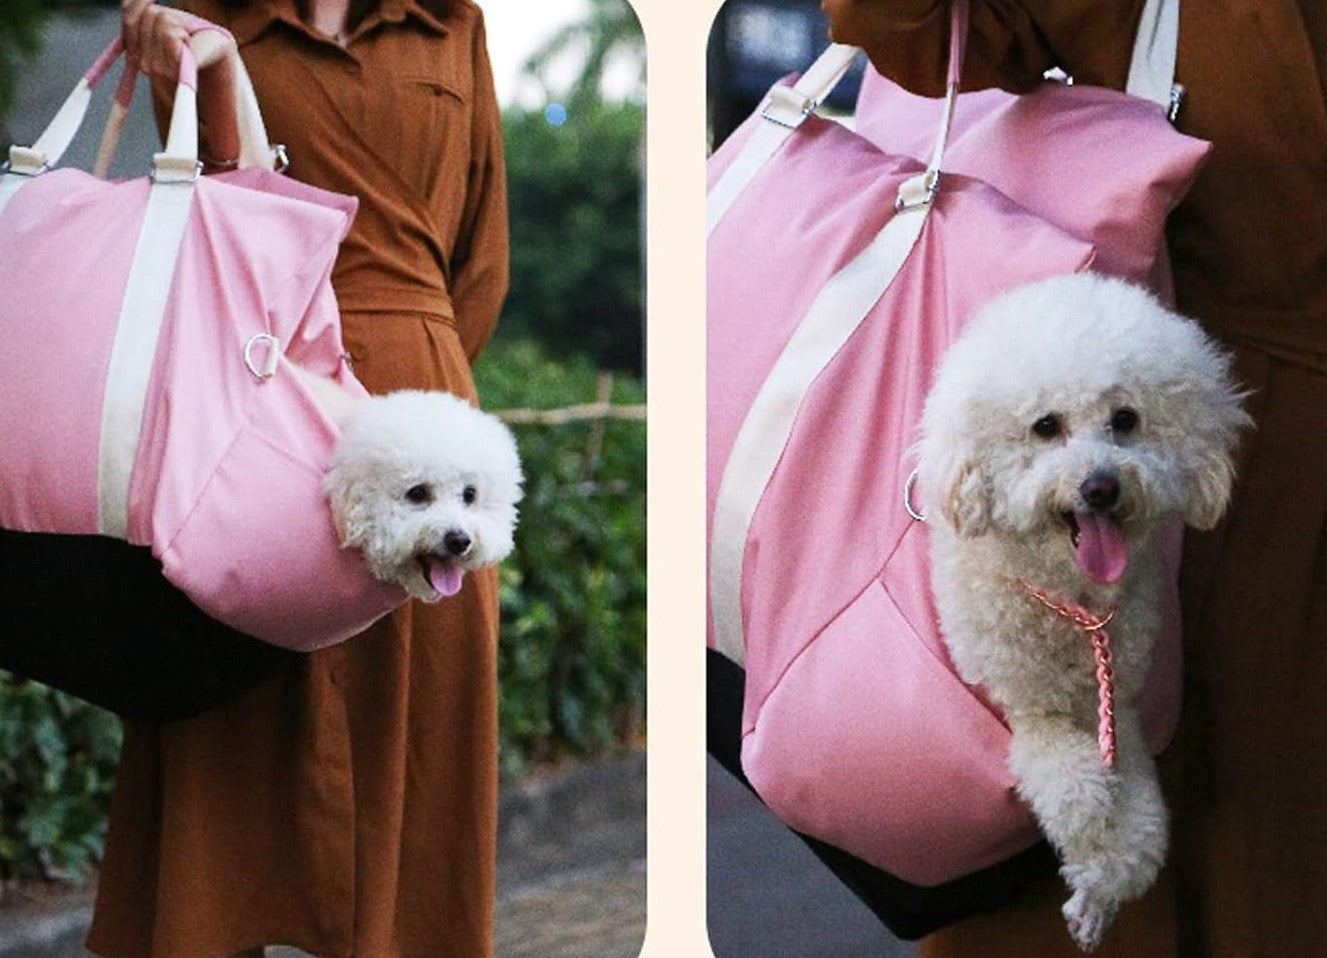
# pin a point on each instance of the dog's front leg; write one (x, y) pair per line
(1133, 840)
(1076, 800)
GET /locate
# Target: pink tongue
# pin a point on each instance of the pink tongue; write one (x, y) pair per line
(444, 576)
(1101, 552)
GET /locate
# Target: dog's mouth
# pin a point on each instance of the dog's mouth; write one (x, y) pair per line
(442, 573)
(1098, 543)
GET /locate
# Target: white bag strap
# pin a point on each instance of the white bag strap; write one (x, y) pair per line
(1152, 69)
(175, 171)
(28, 161)
(255, 149)
(833, 316)
(787, 107)
(783, 112)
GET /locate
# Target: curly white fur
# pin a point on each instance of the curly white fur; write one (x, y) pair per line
(425, 486)
(1074, 404)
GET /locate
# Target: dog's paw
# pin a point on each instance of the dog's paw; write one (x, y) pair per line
(1087, 917)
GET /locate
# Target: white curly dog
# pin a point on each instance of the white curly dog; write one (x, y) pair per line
(425, 485)
(1069, 422)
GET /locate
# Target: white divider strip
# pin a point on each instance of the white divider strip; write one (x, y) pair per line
(135, 348)
(831, 319)
(1152, 69)
(785, 110)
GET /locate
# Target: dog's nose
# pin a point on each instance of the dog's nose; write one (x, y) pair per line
(1100, 491)
(456, 542)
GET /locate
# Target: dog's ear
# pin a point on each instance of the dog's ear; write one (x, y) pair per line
(1210, 437)
(350, 490)
(951, 482)
(1210, 474)
(966, 499)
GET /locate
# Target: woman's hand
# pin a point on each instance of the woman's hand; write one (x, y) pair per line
(153, 36)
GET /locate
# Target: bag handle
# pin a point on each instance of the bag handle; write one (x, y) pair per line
(787, 108)
(1152, 67)
(180, 156)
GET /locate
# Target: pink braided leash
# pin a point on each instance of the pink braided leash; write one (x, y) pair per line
(1095, 627)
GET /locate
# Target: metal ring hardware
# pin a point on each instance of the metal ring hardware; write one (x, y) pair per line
(907, 497)
(268, 368)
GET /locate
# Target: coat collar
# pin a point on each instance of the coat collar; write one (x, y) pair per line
(254, 19)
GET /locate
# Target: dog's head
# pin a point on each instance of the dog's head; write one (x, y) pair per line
(1079, 409)
(426, 487)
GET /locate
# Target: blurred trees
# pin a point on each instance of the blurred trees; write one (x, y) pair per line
(575, 177)
(576, 250)
(611, 33)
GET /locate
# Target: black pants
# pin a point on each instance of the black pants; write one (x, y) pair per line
(94, 617)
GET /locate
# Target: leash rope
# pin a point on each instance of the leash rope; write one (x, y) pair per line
(1095, 627)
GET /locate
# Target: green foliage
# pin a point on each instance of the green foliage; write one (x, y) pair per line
(20, 35)
(57, 764)
(572, 655)
(575, 195)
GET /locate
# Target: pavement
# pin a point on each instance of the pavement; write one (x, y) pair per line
(769, 896)
(571, 874)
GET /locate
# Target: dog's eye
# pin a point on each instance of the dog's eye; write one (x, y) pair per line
(469, 494)
(1047, 427)
(419, 495)
(1123, 420)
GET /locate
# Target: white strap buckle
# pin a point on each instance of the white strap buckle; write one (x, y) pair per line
(167, 168)
(918, 191)
(25, 161)
(787, 107)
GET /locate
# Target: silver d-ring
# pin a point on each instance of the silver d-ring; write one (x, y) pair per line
(907, 497)
(273, 356)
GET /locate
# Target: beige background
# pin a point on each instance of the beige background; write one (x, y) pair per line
(675, 32)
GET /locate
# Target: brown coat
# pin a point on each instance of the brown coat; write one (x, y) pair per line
(349, 806)
(1247, 776)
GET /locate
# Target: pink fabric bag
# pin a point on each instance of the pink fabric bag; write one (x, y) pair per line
(142, 389)
(838, 273)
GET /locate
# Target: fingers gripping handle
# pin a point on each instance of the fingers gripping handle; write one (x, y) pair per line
(180, 156)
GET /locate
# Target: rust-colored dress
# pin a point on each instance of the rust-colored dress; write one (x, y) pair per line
(1246, 778)
(349, 805)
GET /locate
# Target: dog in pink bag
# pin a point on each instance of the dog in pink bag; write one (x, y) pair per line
(174, 377)
(1070, 427)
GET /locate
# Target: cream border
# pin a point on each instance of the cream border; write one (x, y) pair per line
(675, 35)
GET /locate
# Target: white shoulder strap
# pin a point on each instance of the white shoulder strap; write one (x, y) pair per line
(1152, 70)
(833, 316)
(784, 112)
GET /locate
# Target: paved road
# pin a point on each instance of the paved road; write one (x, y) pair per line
(769, 897)
(571, 875)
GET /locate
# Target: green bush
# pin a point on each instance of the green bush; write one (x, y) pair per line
(57, 762)
(572, 654)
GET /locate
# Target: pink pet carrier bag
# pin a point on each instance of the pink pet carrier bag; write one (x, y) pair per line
(144, 391)
(841, 264)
